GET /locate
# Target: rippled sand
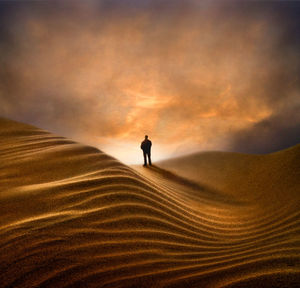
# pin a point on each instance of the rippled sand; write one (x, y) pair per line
(72, 216)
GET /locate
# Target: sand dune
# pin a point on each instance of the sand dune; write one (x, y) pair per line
(263, 178)
(72, 216)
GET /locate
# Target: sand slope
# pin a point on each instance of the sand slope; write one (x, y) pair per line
(263, 178)
(72, 216)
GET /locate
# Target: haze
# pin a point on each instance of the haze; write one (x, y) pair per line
(194, 77)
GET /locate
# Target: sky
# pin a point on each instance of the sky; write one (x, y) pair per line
(193, 75)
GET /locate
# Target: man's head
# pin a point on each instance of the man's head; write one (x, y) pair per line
(146, 136)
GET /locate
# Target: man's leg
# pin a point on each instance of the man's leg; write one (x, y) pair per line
(145, 159)
(149, 158)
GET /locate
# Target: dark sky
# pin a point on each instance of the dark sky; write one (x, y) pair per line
(193, 75)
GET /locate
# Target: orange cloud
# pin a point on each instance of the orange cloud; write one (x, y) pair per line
(189, 76)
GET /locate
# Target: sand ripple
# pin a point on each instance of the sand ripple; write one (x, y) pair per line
(72, 216)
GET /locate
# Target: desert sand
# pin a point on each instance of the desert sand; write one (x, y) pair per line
(72, 216)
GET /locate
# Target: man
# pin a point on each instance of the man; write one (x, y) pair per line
(146, 147)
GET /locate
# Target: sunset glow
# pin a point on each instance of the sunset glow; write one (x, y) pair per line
(192, 76)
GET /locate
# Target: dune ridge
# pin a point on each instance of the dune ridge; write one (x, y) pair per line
(72, 216)
(262, 178)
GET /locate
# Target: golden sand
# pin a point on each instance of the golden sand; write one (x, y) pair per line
(72, 216)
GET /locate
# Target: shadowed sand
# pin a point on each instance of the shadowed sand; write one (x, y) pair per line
(72, 216)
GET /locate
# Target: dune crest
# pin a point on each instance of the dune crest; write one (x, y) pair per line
(72, 216)
(258, 178)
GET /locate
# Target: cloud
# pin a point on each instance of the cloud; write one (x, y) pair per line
(269, 135)
(191, 76)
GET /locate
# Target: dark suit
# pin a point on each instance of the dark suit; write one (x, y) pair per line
(146, 147)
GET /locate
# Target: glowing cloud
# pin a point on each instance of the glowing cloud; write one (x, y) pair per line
(191, 76)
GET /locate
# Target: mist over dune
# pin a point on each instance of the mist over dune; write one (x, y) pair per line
(194, 76)
(71, 216)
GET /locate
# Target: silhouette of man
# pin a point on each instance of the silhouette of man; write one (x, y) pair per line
(146, 147)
